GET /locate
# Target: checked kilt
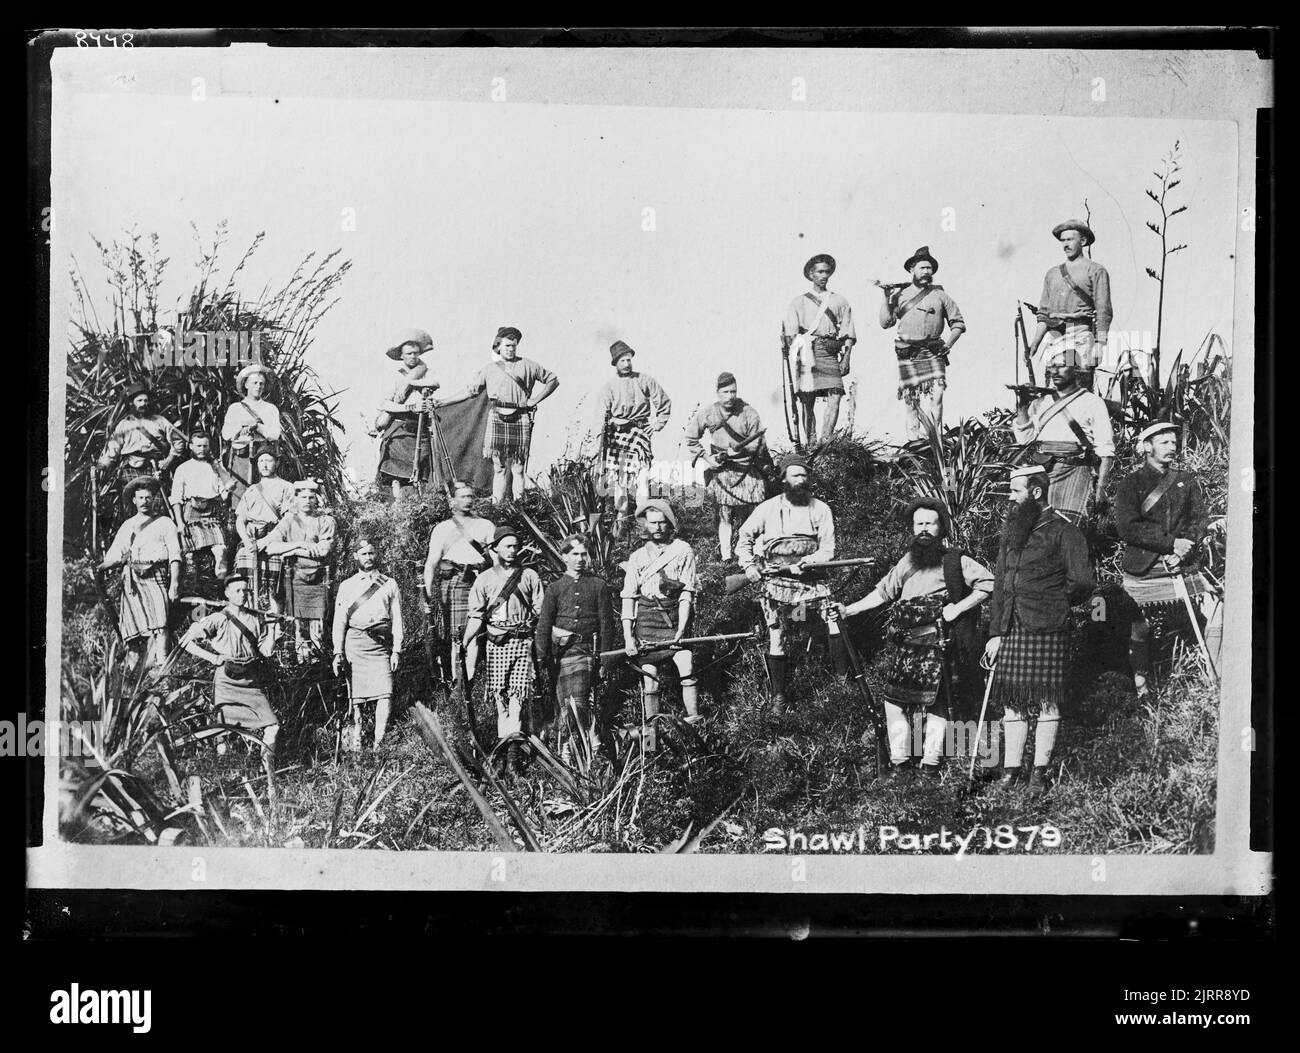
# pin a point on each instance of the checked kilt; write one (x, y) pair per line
(269, 573)
(510, 680)
(627, 455)
(1031, 670)
(509, 440)
(920, 369)
(144, 600)
(1159, 600)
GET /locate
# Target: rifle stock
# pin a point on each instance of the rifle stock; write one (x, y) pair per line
(733, 583)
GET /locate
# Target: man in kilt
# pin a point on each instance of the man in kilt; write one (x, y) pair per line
(261, 507)
(1161, 518)
(818, 328)
(735, 461)
(920, 311)
(458, 549)
(368, 635)
(148, 549)
(629, 409)
(935, 592)
(142, 443)
(1042, 569)
(504, 602)
(786, 532)
(512, 386)
(1071, 435)
(238, 646)
(1074, 309)
(658, 600)
(200, 495)
(575, 625)
(304, 539)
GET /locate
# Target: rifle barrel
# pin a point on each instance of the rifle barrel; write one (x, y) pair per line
(689, 641)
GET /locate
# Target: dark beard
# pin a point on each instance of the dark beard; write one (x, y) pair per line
(798, 495)
(925, 551)
(1020, 523)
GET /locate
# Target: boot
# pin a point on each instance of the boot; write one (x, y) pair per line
(776, 671)
(1040, 782)
(900, 773)
(929, 773)
(514, 760)
(1009, 778)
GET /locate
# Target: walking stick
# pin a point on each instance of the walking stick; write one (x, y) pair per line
(979, 726)
(1180, 584)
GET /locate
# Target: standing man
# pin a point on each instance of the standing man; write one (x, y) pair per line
(935, 591)
(1160, 516)
(510, 382)
(458, 551)
(200, 495)
(658, 600)
(735, 460)
(1071, 435)
(1042, 569)
(304, 539)
(368, 636)
(786, 532)
(575, 625)
(249, 423)
(238, 646)
(262, 506)
(504, 602)
(1075, 305)
(142, 443)
(921, 310)
(629, 409)
(148, 548)
(819, 328)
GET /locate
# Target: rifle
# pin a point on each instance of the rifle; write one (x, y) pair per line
(101, 593)
(1022, 343)
(754, 634)
(733, 583)
(890, 286)
(874, 709)
(788, 394)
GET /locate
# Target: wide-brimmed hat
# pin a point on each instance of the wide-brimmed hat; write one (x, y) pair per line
(1156, 429)
(1075, 224)
(140, 482)
(923, 253)
(503, 532)
(659, 505)
(821, 257)
(1028, 470)
(618, 349)
(241, 378)
(411, 336)
(138, 387)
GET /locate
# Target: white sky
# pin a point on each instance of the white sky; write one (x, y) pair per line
(471, 215)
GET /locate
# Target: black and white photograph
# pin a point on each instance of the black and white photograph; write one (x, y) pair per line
(779, 469)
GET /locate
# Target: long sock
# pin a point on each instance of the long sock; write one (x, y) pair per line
(1015, 730)
(936, 728)
(1139, 656)
(1045, 740)
(381, 718)
(651, 739)
(776, 670)
(690, 696)
(900, 733)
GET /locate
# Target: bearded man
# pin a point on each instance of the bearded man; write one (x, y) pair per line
(787, 532)
(935, 592)
(1042, 569)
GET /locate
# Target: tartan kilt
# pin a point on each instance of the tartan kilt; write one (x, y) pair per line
(573, 678)
(627, 455)
(454, 593)
(144, 610)
(1159, 601)
(509, 440)
(269, 574)
(654, 625)
(204, 533)
(510, 666)
(306, 590)
(737, 487)
(826, 378)
(919, 374)
(1031, 670)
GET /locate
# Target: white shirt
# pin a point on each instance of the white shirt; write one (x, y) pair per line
(384, 605)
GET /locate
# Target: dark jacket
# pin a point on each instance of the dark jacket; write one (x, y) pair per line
(1147, 536)
(1035, 587)
(578, 605)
